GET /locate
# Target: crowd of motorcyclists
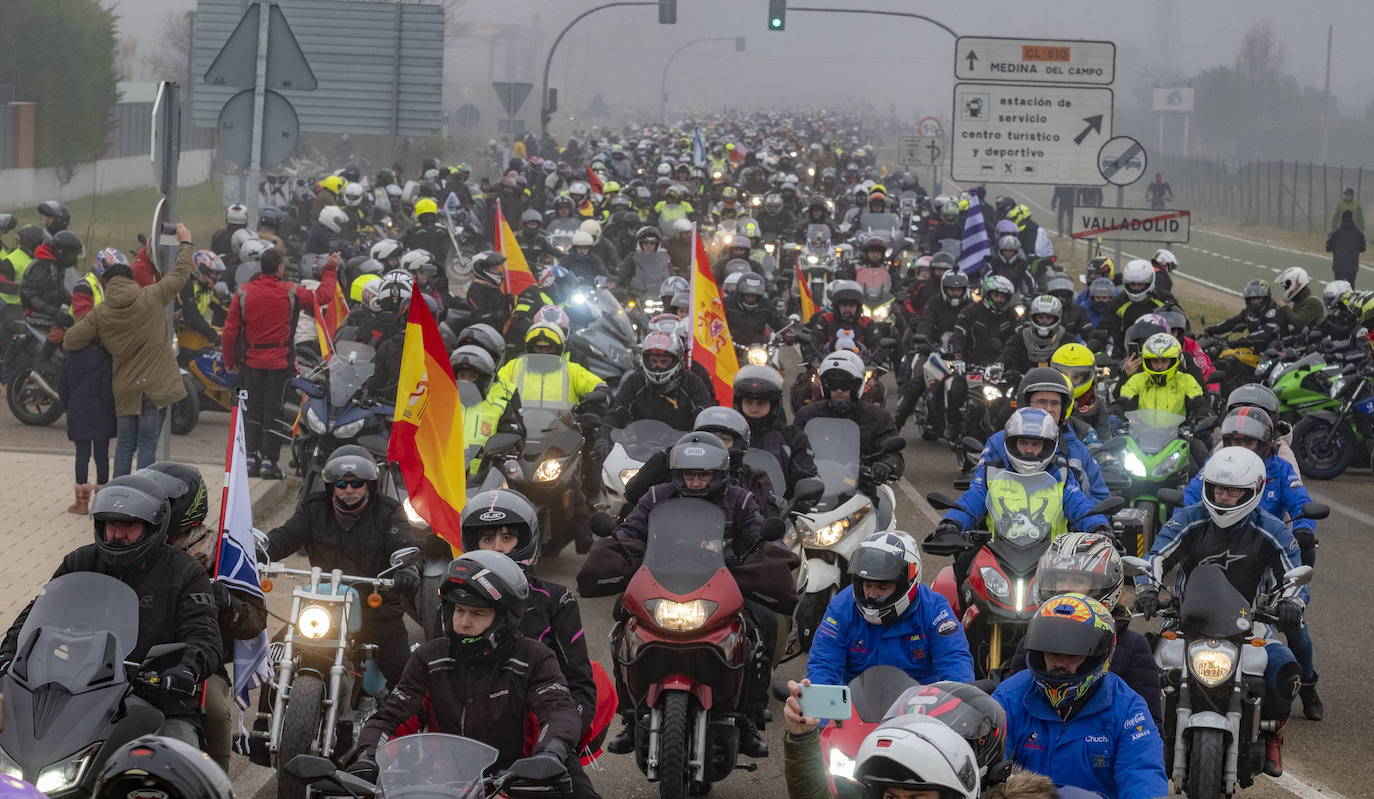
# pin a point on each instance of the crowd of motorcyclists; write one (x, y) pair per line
(1041, 386)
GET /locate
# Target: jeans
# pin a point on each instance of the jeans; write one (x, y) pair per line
(138, 432)
(100, 447)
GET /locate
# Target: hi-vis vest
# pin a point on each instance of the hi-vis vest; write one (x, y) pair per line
(479, 422)
(1021, 505)
(19, 260)
(97, 295)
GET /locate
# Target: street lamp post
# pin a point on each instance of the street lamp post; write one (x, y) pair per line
(548, 62)
(908, 14)
(663, 83)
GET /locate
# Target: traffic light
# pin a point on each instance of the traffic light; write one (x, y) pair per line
(777, 15)
(667, 12)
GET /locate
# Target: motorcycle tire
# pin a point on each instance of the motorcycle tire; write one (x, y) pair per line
(186, 411)
(1206, 764)
(31, 405)
(674, 779)
(300, 727)
(1323, 451)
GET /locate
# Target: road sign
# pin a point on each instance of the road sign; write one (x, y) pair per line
(992, 58)
(1013, 133)
(512, 95)
(930, 126)
(511, 126)
(1176, 98)
(1122, 161)
(598, 108)
(921, 151)
(467, 116)
(1131, 224)
(280, 128)
(237, 62)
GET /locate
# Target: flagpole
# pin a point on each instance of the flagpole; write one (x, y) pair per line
(234, 422)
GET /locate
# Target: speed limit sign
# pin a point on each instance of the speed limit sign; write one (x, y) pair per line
(929, 127)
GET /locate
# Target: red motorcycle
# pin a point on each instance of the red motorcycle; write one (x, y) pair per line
(871, 694)
(684, 650)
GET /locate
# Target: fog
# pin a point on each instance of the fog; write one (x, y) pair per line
(903, 66)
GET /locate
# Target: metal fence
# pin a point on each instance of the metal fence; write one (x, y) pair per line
(1293, 195)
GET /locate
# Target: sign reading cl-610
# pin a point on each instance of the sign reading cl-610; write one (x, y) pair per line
(992, 58)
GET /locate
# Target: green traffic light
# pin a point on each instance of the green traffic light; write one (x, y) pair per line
(776, 22)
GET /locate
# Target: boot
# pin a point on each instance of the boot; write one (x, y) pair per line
(751, 744)
(270, 471)
(624, 741)
(1273, 753)
(254, 465)
(1311, 703)
(81, 505)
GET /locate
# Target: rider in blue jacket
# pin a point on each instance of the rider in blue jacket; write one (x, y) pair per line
(889, 618)
(1070, 718)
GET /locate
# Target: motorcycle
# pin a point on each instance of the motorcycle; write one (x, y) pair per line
(69, 699)
(1327, 440)
(1153, 454)
(1212, 665)
(936, 368)
(997, 600)
(991, 390)
(208, 383)
(685, 648)
(31, 386)
(843, 517)
(341, 414)
(630, 448)
(872, 695)
(327, 683)
(879, 301)
(602, 337)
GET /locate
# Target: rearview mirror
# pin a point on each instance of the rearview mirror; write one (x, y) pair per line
(940, 501)
(1170, 496)
(1315, 510)
(1109, 506)
(892, 445)
(405, 556)
(802, 334)
(971, 444)
(309, 767)
(808, 490)
(884, 343)
(500, 442)
(773, 528)
(602, 524)
(1135, 567)
(1302, 575)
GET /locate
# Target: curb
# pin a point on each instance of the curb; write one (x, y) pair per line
(266, 499)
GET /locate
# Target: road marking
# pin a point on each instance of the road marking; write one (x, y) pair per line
(1296, 786)
(1280, 247)
(1357, 515)
(919, 501)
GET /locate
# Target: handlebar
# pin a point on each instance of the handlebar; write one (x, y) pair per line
(279, 569)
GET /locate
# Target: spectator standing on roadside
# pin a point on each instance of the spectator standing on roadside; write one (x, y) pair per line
(1062, 202)
(1348, 203)
(87, 392)
(131, 323)
(1345, 244)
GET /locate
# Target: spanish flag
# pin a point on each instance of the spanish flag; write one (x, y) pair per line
(518, 275)
(427, 430)
(808, 303)
(711, 343)
(329, 319)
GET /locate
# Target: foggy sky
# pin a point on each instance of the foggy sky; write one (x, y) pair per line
(830, 58)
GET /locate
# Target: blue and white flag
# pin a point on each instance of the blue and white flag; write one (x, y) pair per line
(236, 563)
(975, 247)
(698, 149)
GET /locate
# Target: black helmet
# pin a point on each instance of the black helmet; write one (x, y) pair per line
(1045, 378)
(699, 452)
(717, 420)
(58, 217)
(967, 710)
(30, 236)
(486, 337)
(131, 498)
(1255, 395)
(954, 280)
(759, 382)
(350, 459)
(485, 579)
(502, 508)
(648, 233)
(351, 173)
(751, 284)
(186, 491)
(1257, 290)
(67, 247)
(270, 216)
(157, 766)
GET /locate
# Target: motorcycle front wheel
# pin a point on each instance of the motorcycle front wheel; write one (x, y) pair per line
(29, 403)
(1323, 450)
(1206, 764)
(300, 727)
(186, 411)
(674, 759)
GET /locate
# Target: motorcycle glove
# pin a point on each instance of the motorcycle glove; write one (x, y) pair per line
(179, 679)
(364, 768)
(223, 601)
(880, 472)
(1289, 614)
(407, 581)
(543, 767)
(64, 321)
(1147, 602)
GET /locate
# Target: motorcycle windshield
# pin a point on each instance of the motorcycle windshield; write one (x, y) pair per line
(876, 282)
(761, 460)
(86, 624)
(543, 385)
(433, 765)
(1023, 508)
(818, 239)
(886, 225)
(686, 544)
(1212, 607)
(836, 445)
(612, 315)
(642, 438)
(1152, 429)
(349, 367)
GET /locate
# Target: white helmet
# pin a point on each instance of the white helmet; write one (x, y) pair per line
(682, 225)
(1045, 304)
(1034, 424)
(240, 236)
(664, 170)
(582, 239)
(579, 187)
(353, 195)
(845, 361)
(593, 227)
(417, 260)
(886, 556)
(392, 293)
(236, 214)
(253, 249)
(1232, 467)
(1293, 280)
(919, 753)
(1165, 258)
(333, 217)
(386, 248)
(1334, 290)
(1138, 272)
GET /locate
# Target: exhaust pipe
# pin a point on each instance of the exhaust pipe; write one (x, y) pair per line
(36, 380)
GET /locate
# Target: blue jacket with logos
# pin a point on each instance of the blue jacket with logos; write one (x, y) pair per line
(973, 504)
(1284, 493)
(927, 642)
(1073, 453)
(1110, 746)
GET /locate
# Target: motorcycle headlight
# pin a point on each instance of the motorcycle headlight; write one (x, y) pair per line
(9, 766)
(881, 313)
(811, 172)
(757, 200)
(841, 765)
(1133, 464)
(549, 470)
(757, 356)
(992, 393)
(1166, 467)
(1211, 661)
(769, 248)
(351, 429)
(313, 421)
(682, 616)
(314, 622)
(579, 298)
(811, 259)
(996, 583)
(827, 535)
(66, 773)
(626, 475)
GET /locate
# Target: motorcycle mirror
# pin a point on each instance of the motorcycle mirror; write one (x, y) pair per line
(893, 445)
(794, 318)
(1302, 575)
(971, 444)
(405, 556)
(808, 490)
(500, 442)
(940, 501)
(773, 529)
(1109, 506)
(802, 334)
(1315, 510)
(599, 395)
(602, 524)
(309, 767)
(884, 343)
(1135, 567)
(919, 338)
(1171, 497)
(160, 651)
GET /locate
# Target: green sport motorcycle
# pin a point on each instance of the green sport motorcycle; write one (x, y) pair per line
(1152, 454)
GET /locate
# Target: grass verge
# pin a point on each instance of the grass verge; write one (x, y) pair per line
(115, 219)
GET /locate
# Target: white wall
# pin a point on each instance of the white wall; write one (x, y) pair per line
(21, 187)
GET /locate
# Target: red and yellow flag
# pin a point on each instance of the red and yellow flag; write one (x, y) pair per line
(808, 303)
(518, 275)
(323, 331)
(427, 430)
(711, 343)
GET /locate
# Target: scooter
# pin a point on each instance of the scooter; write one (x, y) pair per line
(70, 698)
(843, 517)
(630, 448)
(208, 384)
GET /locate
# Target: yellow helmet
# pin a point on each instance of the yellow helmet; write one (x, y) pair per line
(1077, 363)
(425, 205)
(546, 333)
(333, 183)
(609, 187)
(1161, 346)
(1019, 215)
(355, 291)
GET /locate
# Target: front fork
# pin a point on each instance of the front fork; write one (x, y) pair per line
(995, 648)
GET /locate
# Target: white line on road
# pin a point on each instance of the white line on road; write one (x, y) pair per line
(1280, 247)
(1345, 510)
(1298, 787)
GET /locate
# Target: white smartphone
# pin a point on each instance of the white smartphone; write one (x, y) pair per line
(826, 702)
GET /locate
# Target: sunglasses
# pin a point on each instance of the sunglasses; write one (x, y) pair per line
(350, 483)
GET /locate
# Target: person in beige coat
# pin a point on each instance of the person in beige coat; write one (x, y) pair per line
(132, 324)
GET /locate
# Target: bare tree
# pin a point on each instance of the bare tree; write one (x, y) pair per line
(126, 52)
(1261, 53)
(166, 57)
